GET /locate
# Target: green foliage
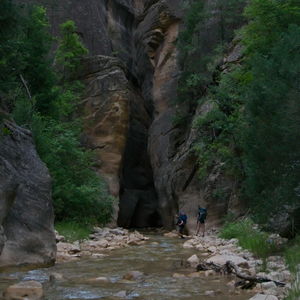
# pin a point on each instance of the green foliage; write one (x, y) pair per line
(208, 29)
(292, 258)
(249, 237)
(219, 129)
(267, 21)
(251, 130)
(73, 231)
(271, 142)
(294, 293)
(70, 50)
(292, 254)
(43, 100)
(78, 192)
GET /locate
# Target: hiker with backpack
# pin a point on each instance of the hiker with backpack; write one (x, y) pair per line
(181, 222)
(201, 217)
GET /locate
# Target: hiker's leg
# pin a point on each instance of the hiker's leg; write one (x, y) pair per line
(198, 227)
(203, 233)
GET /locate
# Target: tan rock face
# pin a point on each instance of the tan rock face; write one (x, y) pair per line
(128, 112)
(106, 115)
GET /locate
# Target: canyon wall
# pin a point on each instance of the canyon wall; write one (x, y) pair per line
(26, 212)
(128, 108)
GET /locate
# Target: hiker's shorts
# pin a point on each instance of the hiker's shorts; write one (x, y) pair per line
(201, 220)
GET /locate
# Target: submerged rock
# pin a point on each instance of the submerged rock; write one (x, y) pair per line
(27, 290)
(133, 275)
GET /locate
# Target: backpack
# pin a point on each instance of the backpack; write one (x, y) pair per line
(183, 218)
(202, 213)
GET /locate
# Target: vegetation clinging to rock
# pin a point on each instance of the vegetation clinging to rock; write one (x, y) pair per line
(44, 99)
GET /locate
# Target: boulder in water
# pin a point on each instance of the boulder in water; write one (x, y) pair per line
(133, 275)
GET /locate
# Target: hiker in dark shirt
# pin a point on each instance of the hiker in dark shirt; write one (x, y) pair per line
(181, 222)
(201, 217)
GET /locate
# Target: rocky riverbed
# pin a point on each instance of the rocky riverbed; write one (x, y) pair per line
(119, 264)
(101, 241)
(214, 250)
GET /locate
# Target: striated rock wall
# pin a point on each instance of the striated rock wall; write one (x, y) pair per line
(129, 108)
(116, 129)
(170, 147)
(26, 212)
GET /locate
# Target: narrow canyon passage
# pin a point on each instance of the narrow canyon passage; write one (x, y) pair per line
(158, 261)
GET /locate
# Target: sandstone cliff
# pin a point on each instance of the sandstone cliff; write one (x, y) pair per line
(26, 212)
(128, 109)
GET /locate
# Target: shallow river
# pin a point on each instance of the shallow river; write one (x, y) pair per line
(158, 259)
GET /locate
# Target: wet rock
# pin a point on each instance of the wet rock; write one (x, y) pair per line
(121, 294)
(98, 279)
(133, 275)
(263, 297)
(98, 255)
(55, 277)
(210, 293)
(231, 283)
(209, 273)
(171, 234)
(29, 290)
(194, 275)
(193, 261)
(188, 244)
(178, 275)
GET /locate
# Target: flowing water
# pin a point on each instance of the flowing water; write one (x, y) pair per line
(158, 259)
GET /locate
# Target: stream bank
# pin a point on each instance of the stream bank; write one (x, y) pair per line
(152, 267)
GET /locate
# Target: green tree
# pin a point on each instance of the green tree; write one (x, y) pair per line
(272, 150)
(70, 50)
(43, 100)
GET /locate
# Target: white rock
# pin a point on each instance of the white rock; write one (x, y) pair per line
(212, 249)
(193, 261)
(187, 245)
(103, 243)
(222, 259)
(268, 285)
(280, 276)
(199, 247)
(209, 293)
(99, 279)
(263, 297)
(68, 247)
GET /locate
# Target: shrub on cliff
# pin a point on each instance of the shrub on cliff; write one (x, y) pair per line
(252, 130)
(40, 98)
